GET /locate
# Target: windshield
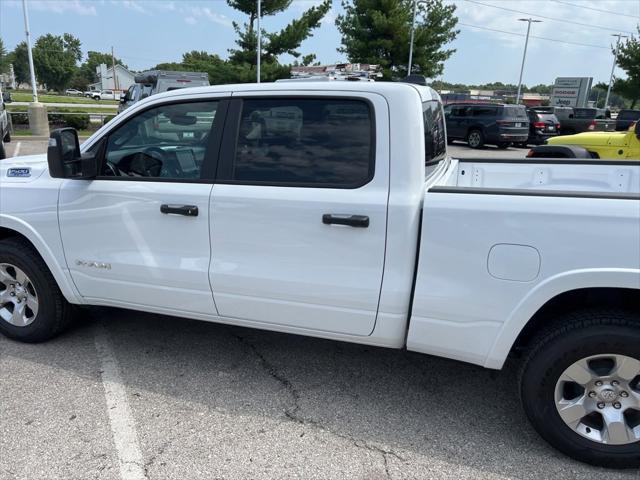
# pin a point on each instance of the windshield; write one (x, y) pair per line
(629, 115)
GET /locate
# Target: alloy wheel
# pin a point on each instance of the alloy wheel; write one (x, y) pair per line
(18, 296)
(598, 397)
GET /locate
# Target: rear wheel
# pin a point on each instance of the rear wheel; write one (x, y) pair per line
(475, 139)
(580, 387)
(3, 152)
(32, 308)
(7, 137)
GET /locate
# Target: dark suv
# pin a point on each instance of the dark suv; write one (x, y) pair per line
(490, 123)
(542, 125)
(626, 118)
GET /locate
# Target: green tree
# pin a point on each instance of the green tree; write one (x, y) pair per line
(55, 60)
(19, 57)
(378, 32)
(274, 44)
(4, 58)
(628, 59)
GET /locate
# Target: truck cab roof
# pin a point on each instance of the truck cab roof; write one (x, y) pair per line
(426, 93)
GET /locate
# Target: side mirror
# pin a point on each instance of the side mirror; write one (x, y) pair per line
(64, 158)
(123, 98)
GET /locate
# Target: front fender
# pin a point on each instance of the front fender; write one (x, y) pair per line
(546, 291)
(50, 251)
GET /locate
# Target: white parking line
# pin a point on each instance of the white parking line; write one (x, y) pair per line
(121, 421)
(16, 150)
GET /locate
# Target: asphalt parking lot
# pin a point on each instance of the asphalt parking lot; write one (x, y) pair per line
(128, 395)
(201, 400)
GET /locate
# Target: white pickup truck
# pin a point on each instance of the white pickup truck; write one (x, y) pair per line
(333, 210)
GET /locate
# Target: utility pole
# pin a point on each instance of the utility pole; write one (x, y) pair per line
(613, 67)
(31, 69)
(115, 75)
(524, 55)
(259, 49)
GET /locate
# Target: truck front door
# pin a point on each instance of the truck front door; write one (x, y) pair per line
(138, 234)
(299, 212)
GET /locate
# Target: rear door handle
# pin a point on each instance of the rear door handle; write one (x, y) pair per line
(361, 221)
(186, 210)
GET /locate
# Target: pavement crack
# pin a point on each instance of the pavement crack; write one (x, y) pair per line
(292, 412)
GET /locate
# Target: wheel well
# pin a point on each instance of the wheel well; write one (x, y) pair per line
(551, 312)
(8, 233)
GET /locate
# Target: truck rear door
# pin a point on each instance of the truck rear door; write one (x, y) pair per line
(298, 211)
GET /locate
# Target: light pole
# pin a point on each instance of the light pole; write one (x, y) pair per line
(31, 69)
(37, 112)
(613, 67)
(413, 27)
(524, 55)
(259, 49)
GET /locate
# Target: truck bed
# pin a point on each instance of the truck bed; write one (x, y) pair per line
(572, 177)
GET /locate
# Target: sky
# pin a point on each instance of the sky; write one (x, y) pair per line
(573, 39)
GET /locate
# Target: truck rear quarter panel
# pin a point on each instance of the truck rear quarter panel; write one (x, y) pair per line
(488, 262)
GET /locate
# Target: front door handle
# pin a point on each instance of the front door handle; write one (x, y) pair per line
(187, 210)
(361, 221)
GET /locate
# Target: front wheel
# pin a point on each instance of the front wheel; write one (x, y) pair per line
(580, 387)
(32, 308)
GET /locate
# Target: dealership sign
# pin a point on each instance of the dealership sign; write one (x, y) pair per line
(571, 91)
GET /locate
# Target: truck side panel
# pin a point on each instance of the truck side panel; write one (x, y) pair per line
(488, 262)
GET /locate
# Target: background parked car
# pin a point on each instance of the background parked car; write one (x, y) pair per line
(626, 118)
(101, 94)
(72, 91)
(5, 129)
(158, 81)
(480, 124)
(542, 126)
(587, 120)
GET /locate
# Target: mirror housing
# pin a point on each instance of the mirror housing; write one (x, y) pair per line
(64, 157)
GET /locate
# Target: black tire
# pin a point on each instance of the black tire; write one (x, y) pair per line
(3, 152)
(54, 312)
(7, 137)
(579, 335)
(475, 138)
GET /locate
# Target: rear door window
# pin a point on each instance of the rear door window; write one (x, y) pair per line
(584, 113)
(485, 111)
(305, 142)
(435, 141)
